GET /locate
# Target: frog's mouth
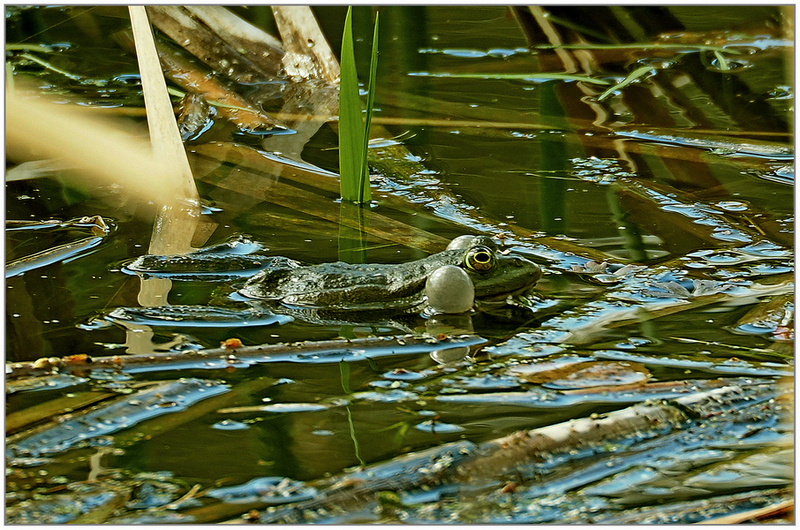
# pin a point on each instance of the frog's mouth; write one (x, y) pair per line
(520, 276)
(498, 299)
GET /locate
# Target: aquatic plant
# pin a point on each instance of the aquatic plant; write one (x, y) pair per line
(353, 130)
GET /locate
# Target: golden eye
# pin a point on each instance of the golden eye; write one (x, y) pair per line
(480, 259)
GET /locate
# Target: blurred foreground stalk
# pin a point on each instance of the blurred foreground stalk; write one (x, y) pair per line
(101, 151)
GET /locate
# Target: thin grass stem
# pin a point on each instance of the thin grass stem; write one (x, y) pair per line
(539, 76)
(654, 46)
(364, 189)
(633, 76)
(29, 47)
(722, 62)
(49, 66)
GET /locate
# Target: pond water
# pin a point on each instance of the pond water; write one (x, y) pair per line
(659, 205)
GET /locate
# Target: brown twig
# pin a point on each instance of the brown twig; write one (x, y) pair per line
(82, 363)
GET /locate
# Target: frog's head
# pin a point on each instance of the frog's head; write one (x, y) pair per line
(494, 274)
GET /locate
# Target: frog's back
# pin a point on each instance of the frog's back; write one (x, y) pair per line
(347, 285)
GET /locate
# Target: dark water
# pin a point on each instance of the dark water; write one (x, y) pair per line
(687, 172)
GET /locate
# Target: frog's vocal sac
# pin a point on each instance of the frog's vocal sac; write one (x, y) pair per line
(383, 286)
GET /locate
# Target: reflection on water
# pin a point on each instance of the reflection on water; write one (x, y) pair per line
(649, 176)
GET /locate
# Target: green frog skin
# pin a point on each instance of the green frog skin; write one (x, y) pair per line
(391, 286)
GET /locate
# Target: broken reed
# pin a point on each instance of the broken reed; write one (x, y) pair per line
(353, 130)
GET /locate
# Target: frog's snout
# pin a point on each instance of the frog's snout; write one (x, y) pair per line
(534, 271)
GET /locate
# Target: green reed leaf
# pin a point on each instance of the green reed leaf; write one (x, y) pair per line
(633, 76)
(544, 76)
(722, 62)
(29, 47)
(351, 127)
(49, 66)
(353, 130)
(365, 193)
(662, 46)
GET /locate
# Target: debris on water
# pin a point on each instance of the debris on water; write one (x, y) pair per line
(56, 254)
(230, 425)
(598, 170)
(708, 287)
(744, 368)
(781, 173)
(717, 145)
(773, 317)
(393, 395)
(488, 381)
(573, 373)
(231, 344)
(269, 490)
(315, 352)
(108, 418)
(81, 500)
(598, 272)
(404, 374)
(673, 289)
(697, 198)
(96, 225)
(44, 382)
(276, 407)
(447, 356)
(437, 427)
(591, 267)
(194, 116)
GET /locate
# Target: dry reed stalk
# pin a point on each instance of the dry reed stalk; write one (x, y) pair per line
(308, 55)
(175, 225)
(264, 50)
(200, 41)
(773, 510)
(164, 136)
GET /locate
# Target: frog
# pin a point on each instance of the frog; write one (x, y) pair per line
(381, 286)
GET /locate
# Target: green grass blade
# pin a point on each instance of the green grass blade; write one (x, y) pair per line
(633, 76)
(351, 127)
(49, 66)
(721, 62)
(365, 193)
(541, 75)
(662, 46)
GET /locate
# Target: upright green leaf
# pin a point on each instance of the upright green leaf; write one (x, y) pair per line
(353, 131)
(365, 194)
(351, 127)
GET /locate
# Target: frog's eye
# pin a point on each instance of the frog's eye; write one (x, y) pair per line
(480, 259)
